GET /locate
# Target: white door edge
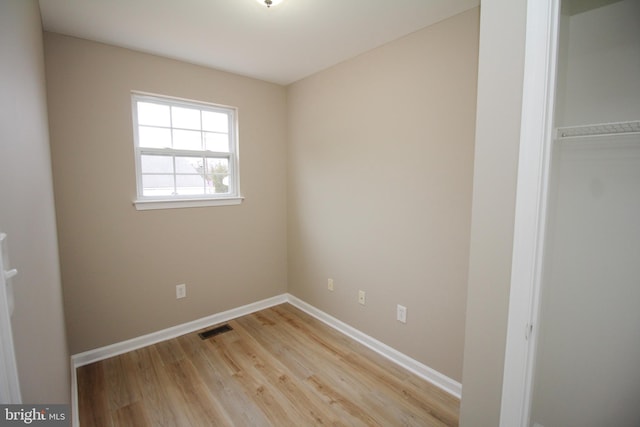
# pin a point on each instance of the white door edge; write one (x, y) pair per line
(9, 382)
(531, 200)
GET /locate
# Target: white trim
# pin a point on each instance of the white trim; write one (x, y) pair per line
(95, 355)
(145, 205)
(9, 381)
(75, 416)
(232, 197)
(77, 360)
(436, 378)
(530, 218)
(118, 348)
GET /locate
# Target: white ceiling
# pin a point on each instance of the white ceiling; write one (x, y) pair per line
(281, 44)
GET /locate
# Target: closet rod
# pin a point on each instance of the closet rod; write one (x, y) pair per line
(600, 129)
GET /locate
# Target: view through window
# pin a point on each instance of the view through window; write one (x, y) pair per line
(184, 149)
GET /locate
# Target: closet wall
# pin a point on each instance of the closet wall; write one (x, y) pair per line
(589, 344)
(599, 64)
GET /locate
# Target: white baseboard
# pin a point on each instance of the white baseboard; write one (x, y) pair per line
(423, 371)
(77, 360)
(95, 355)
(118, 348)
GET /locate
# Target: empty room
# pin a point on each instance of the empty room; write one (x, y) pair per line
(306, 212)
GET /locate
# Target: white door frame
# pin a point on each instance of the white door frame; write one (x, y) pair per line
(536, 134)
(9, 382)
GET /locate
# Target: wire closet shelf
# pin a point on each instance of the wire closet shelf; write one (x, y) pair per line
(601, 129)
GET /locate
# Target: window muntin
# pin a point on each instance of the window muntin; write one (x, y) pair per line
(185, 150)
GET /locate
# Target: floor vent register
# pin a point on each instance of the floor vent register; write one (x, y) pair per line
(215, 331)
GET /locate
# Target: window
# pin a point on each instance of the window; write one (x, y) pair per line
(186, 153)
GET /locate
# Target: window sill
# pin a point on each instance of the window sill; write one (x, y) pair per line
(145, 205)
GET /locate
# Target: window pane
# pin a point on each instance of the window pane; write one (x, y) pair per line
(218, 166)
(219, 184)
(154, 137)
(184, 149)
(217, 176)
(153, 114)
(157, 164)
(187, 140)
(216, 122)
(157, 185)
(216, 142)
(185, 118)
(189, 165)
(189, 184)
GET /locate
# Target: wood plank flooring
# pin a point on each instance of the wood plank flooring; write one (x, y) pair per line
(277, 367)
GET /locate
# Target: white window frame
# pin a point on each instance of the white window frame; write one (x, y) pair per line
(232, 197)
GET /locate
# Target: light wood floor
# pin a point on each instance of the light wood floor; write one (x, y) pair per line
(278, 367)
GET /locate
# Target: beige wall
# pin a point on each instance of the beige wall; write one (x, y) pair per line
(601, 59)
(380, 178)
(26, 207)
(500, 74)
(120, 266)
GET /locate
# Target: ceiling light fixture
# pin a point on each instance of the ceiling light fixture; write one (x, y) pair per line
(269, 3)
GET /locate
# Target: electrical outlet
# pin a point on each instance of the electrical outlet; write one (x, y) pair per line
(401, 313)
(330, 284)
(361, 297)
(181, 291)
